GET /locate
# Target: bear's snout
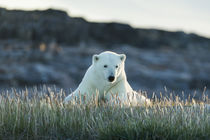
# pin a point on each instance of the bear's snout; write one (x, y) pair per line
(111, 78)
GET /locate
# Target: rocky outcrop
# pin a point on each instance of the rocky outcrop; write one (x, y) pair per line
(49, 47)
(185, 70)
(54, 25)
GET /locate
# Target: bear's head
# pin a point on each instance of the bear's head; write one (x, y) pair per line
(109, 65)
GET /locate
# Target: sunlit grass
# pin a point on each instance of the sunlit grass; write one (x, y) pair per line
(46, 117)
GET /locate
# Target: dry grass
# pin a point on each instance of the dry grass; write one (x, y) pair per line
(46, 117)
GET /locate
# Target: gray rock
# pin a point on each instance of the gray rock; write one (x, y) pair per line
(49, 47)
(54, 25)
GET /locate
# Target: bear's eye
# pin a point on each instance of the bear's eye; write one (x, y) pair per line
(116, 66)
(105, 66)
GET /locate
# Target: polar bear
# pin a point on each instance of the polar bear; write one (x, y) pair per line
(106, 77)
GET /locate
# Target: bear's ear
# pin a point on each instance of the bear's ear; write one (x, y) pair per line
(95, 58)
(122, 57)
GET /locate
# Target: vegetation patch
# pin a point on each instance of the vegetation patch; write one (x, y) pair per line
(46, 117)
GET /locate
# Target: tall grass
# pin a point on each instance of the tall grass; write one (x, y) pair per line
(46, 117)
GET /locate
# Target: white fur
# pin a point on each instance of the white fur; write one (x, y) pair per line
(96, 81)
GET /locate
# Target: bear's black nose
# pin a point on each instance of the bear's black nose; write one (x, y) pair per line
(111, 78)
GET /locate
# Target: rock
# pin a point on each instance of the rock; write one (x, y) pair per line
(54, 25)
(49, 47)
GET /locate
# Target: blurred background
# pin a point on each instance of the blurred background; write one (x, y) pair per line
(51, 42)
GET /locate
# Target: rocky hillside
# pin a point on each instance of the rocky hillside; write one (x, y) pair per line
(49, 47)
(54, 25)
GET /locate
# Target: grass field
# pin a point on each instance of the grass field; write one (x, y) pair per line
(46, 117)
